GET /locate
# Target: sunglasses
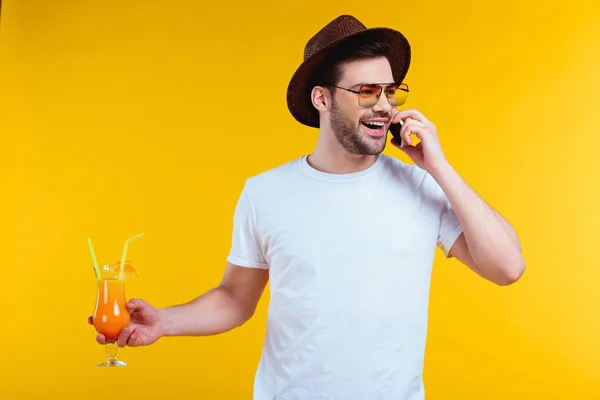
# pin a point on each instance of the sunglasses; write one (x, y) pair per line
(369, 94)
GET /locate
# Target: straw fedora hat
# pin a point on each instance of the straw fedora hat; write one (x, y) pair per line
(335, 33)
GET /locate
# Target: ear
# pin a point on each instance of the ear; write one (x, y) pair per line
(320, 98)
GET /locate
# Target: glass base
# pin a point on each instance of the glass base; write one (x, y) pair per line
(112, 363)
(112, 350)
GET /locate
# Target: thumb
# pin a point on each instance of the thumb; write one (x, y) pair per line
(136, 305)
(410, 151)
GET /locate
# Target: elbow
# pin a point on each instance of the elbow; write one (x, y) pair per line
(248, 313)
(511, 273)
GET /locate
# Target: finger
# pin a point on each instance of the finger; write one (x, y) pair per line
(124, 337)
(412, 113)
(410, 127)
(134, 339)
(101, 339)
(413, 127)
(136, 305)
(413, 122)
(90, 320)
(406, 139)
(396, 119)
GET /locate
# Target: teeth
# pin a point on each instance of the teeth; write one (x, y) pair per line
(375, 123)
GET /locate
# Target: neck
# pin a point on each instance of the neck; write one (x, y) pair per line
(331, 157)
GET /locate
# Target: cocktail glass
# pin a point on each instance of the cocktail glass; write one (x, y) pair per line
(111, 315)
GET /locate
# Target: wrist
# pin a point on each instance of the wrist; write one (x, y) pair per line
(164, 323)
(441, 171)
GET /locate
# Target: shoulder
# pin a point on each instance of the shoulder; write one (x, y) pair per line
(274, 178)
(416, 180)
(408, 174)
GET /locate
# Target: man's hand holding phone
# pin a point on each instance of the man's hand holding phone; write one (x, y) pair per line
(427, 154)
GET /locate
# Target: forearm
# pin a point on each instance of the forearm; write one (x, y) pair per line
(214, 312)
(492, 242)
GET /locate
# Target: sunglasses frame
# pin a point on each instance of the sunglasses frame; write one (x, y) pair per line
(401, 86)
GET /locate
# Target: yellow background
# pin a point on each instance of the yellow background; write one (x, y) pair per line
(118, 117)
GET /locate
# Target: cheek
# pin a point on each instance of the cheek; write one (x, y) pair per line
(353, 117)
(360, 115)
(348, 112)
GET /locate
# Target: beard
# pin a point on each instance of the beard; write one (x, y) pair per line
(349, 135)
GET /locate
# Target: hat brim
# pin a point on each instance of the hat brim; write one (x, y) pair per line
(300, 86)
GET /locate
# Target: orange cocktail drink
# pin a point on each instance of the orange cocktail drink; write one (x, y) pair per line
(111, 315)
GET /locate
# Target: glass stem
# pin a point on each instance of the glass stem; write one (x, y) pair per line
(112, 351)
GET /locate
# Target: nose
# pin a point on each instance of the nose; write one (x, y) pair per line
(382, 105)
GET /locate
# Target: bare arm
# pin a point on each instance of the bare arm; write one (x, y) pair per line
(489, 244)
(221, 309)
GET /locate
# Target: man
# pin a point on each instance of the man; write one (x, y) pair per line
(346, 236)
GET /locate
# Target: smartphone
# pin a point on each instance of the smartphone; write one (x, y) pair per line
(395, 131)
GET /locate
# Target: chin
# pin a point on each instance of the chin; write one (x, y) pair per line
(368, 151)
(371, 147)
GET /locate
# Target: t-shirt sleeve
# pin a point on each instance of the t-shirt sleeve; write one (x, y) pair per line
(450, 228)
(246, 250)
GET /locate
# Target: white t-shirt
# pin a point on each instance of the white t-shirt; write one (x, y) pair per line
(350, 259)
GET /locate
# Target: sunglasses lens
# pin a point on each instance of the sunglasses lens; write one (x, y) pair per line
(400, 95)
(369, 95)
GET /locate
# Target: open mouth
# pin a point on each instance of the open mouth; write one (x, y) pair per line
(374, 127)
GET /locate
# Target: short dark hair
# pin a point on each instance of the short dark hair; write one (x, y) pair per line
(330, 71)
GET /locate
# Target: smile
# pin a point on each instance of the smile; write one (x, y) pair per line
(374, 128)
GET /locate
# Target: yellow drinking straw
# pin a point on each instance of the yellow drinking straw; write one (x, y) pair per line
(89, 242)
(124, 254)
